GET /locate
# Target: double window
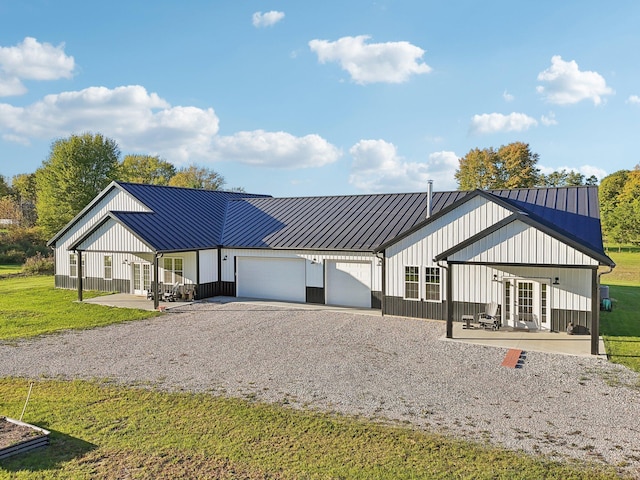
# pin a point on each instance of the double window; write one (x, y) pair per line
(173, 270)
(432, 283)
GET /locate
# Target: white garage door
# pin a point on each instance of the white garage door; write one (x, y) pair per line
(349, 283)
(271, 278)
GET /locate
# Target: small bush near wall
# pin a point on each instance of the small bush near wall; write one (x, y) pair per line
(38, 265)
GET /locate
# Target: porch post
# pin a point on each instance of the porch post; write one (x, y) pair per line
(595, 313)
(156, 293)
(449, 301)
(80, 273)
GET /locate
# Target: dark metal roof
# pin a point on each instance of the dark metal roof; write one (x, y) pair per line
(353, 222)
(181, 218)
(186, 219)
(365, 222)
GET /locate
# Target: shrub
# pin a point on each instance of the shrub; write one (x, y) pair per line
(38, 265)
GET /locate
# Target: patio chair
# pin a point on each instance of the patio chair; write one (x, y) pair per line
(172, 295)
(488, 318)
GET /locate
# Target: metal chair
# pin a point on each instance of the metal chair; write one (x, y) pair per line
(488, 318)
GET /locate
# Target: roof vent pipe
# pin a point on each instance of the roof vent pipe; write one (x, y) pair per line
(429, 196)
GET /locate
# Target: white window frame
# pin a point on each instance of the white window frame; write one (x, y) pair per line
(73, 265)
(108, 268)
(412, 282)
(172, 270)
(426, 284)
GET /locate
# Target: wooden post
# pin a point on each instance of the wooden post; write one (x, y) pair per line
(156, 293)
(79, 268)
(595, 313)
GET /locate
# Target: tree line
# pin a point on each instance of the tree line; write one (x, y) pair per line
(35, 206)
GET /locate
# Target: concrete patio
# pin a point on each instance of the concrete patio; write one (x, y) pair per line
(126, 300)
(536, 341)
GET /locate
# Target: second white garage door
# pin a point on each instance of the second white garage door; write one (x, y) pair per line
(349, 283)
(271, 278)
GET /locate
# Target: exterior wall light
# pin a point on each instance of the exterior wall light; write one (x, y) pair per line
(556, 281)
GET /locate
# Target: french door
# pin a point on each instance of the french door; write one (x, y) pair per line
(141, 278)
(526, 303)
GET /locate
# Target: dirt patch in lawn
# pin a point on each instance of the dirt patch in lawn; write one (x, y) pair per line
(11, 434)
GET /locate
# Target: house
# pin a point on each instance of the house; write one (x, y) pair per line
(439, 255)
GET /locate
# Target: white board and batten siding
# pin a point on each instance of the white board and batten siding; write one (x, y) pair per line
(113, 237)
(208, 266)
(518, 242)
(420, 247)
(114, 200)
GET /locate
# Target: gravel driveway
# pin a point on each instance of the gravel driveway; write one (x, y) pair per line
(381, 367)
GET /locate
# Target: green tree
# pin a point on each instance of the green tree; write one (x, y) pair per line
(511, 166)
(197, 177)
(146, 169)
(77, 169)
(5, 189)
(25, 192)
(566, 178)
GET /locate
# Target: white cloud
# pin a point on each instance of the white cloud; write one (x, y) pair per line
(276, 149)
(136, 119)
(507, 96)
(497, 122)
(31, 60)
(267, 19)
(566, 84)
(586, 170)
(377, 167)
(140, 121)
(633, 99)
(390, 62)
(548, 120)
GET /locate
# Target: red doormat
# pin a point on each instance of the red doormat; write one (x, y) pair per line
(513, 359)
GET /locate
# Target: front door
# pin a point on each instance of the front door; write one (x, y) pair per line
(141, 278)
(526, 304)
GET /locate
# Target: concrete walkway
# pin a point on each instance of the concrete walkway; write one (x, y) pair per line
(126, 300)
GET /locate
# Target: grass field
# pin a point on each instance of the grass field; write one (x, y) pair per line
(102, 431)
(9, 269)
(31, 306)
(621, 327)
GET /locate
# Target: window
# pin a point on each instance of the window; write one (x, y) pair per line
(173, 272)
(432, 284)
(412, 282)
(108, 267)
(73, 265)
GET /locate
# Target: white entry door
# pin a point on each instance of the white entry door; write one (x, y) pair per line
(141, 278)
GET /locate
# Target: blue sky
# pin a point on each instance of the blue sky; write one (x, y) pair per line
(296, 98)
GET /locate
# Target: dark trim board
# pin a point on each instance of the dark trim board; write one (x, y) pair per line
(227, 289)
(376, 300)
(413, 308)
(561, 318)
(94, 283)
(315, 295)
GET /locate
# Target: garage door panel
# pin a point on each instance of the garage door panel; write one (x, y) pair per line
(271, 278)
(349, 283)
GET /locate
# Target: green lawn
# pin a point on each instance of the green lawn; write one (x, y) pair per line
(10, 269)
(620, 328)
(32, 306)
(103, 431)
